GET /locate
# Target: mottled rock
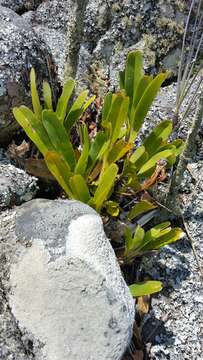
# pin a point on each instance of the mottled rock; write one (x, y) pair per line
(63, 284)
(16, 186)
(100, 34)
(50, 23)
(20, 49)
(20, 6)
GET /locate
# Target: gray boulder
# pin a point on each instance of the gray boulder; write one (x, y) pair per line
(20, 49)
(62, 285)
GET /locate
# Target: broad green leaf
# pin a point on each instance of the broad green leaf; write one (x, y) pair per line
(140, 208)
(112, 208)
(133, 72)
(106, 107)
(157, 137)
(120, 149)
(165, 238)
(138, 237)
(118, 115)
(146, 100)
(75, 111)
(47, 95)
(33, 128)
(143, 84)
(62, 105)
(79, 188)
(34, 93)
(145, 288)
(139, 157)
(106, 182)
(60, 170)
(151, 163)
(83, 159)
(59, 137)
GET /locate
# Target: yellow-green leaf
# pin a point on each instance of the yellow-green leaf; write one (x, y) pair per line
(120, 149)
(145, 288)
(146, 100)
(59, 137)
(112, 208)
(64, 99)
(83, 159)
(60, 170)
(33, 128)
(106, 182)
(151, 163)
(140, 208)
(79, 188)
(47, 95)
(34, 93)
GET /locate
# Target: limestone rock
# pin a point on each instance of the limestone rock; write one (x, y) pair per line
(64, 286)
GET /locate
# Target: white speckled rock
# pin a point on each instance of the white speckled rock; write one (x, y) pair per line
(67, 292)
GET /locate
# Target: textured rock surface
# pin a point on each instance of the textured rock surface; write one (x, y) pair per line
(173, 329)
(72, 292)
(20, 49)
(20, 6)
(16, 186)
(102, 32)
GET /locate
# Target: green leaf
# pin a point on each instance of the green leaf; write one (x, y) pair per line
(60, 170)
(112, 208)
(33, 128)
(95, 149)
(106, 107)
(47, 95)
(82, 162)
(79, 188)
(118, 115)
(151, 163)
(133, 72)
(89, 102)
(139, 157)
(59, 137)
(164, 238)
(143, 84)
(64, 99)
(106, 182)
(120, 149)
(141, 208)
(122, 79)
(158, 136)
(145, 288)
(146, 100)
(135, 241)
(128, 240)
(35, 97)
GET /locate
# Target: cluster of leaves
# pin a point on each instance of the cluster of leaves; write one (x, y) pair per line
(89, 173)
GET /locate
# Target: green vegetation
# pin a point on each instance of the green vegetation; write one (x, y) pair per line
(109, 163)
